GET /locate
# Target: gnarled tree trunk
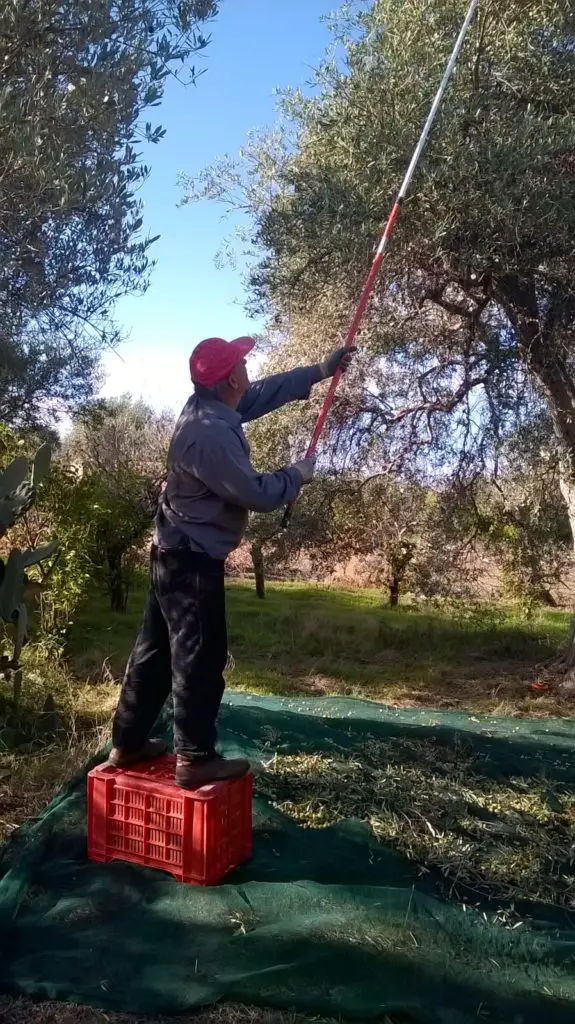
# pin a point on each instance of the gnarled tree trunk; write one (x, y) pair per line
(567, 661)
(544, 349)
(394, 592)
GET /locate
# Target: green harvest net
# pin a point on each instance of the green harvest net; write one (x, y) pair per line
(338, 920)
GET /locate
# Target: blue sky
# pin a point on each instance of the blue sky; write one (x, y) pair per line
(256, 46)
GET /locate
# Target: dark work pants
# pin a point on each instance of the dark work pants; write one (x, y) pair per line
(181, 648)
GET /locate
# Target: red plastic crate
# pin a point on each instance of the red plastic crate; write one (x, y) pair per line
(141, 816)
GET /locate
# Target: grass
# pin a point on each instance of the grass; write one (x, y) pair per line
(313, 640)
(431, 803)
(59, 723)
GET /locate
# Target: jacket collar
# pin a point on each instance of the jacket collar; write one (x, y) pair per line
(219, 409)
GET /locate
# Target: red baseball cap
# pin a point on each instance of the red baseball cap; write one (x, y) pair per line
(214, 359)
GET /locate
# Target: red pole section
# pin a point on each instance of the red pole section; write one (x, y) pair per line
(381, 249)
(354, 327)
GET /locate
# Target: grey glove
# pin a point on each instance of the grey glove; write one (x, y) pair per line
(338, 360)
(306, 467)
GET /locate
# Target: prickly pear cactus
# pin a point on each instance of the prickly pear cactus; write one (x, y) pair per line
(18, 484)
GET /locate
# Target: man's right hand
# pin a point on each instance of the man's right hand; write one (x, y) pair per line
(307, 469)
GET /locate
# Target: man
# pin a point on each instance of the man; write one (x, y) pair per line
(211, 486)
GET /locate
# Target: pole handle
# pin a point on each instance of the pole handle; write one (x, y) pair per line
(286, 518)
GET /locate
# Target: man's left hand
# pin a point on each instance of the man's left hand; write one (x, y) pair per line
(338, 360)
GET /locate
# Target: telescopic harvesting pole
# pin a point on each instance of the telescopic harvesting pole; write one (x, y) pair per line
(387, 233)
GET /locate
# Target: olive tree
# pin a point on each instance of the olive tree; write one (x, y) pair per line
(76, 81)
(470, 330)
(118, 449)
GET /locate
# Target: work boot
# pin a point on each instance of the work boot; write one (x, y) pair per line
(125, 759)
(191, 774)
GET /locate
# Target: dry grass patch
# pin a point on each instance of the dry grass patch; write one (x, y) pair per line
(56, 727)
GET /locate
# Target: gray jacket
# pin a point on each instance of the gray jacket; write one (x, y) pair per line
(211, 483)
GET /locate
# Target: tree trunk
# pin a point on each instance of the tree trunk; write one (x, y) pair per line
(259, 569)
(116, 583)
(560, 389)
(543, 351)
(568, 492)
(400, 558)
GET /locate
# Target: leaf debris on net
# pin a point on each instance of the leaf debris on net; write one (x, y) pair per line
(509, 839)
